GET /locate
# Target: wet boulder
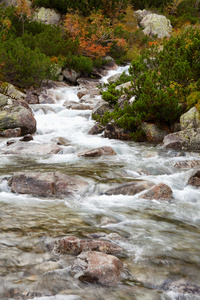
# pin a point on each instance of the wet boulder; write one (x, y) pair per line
(22, 148)
(45, 184)
(97, 267)
(131, 188)
(74, 245)
(188, 139)
(98, 152)
(159, 191)
(16, 114)
(195, 178)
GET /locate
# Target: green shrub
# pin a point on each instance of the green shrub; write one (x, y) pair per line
(77, 63)
(22, 66)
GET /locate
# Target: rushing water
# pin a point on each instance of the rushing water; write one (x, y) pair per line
(161, 238)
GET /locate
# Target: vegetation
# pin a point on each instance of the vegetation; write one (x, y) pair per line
(162, 79)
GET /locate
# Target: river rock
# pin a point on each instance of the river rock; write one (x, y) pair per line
(131, 188)
(98, 152)
(195, 178)
(11, 91)
(45, 99)
(153, 132)
(101, 109)
(188, 139)
(16, 114)
(97, 267)
(159, 191)
(114, 77)
(61, 141)
(71, 75)
(156, 25)
(16, 132)
(47, 16)
(74, 245)
(187, 164)
(96, 129)
(191, 119)
(22, 148)
(112, 131)
(45, 184)
(181, 286)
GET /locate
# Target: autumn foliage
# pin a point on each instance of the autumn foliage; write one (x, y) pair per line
(95, 34)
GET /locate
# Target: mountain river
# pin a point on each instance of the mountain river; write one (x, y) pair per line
(161, 239)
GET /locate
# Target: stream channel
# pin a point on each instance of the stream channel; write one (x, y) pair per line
(161, 239)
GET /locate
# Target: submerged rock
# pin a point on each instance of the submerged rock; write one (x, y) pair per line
(131, 188)
(74, 245)
(99, 152)
(160, 191)
(195, 178)
(182, 286)
(45, 184)
(97, 267)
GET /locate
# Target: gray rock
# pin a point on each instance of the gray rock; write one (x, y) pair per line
(16, 114)
(153, 132)
(190, 120)
(47, 16)
(112, 131)
(101, 109)
(140, 14)
(188, 139)
(71, 75)
(182, 286)
(156, 25)
(97, 267)
(96, 129)
(114, 78)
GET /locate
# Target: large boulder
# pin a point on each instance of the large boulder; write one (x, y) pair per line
(188, 139)
(47, 16)
(191, 119)
(97, 267)
(11, 91)
(156, 25)
(140, 14)
(131, 188)
(16, 114)
(74, 245)
(45, 184)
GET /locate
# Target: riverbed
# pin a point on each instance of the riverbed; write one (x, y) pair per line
(161, 239)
